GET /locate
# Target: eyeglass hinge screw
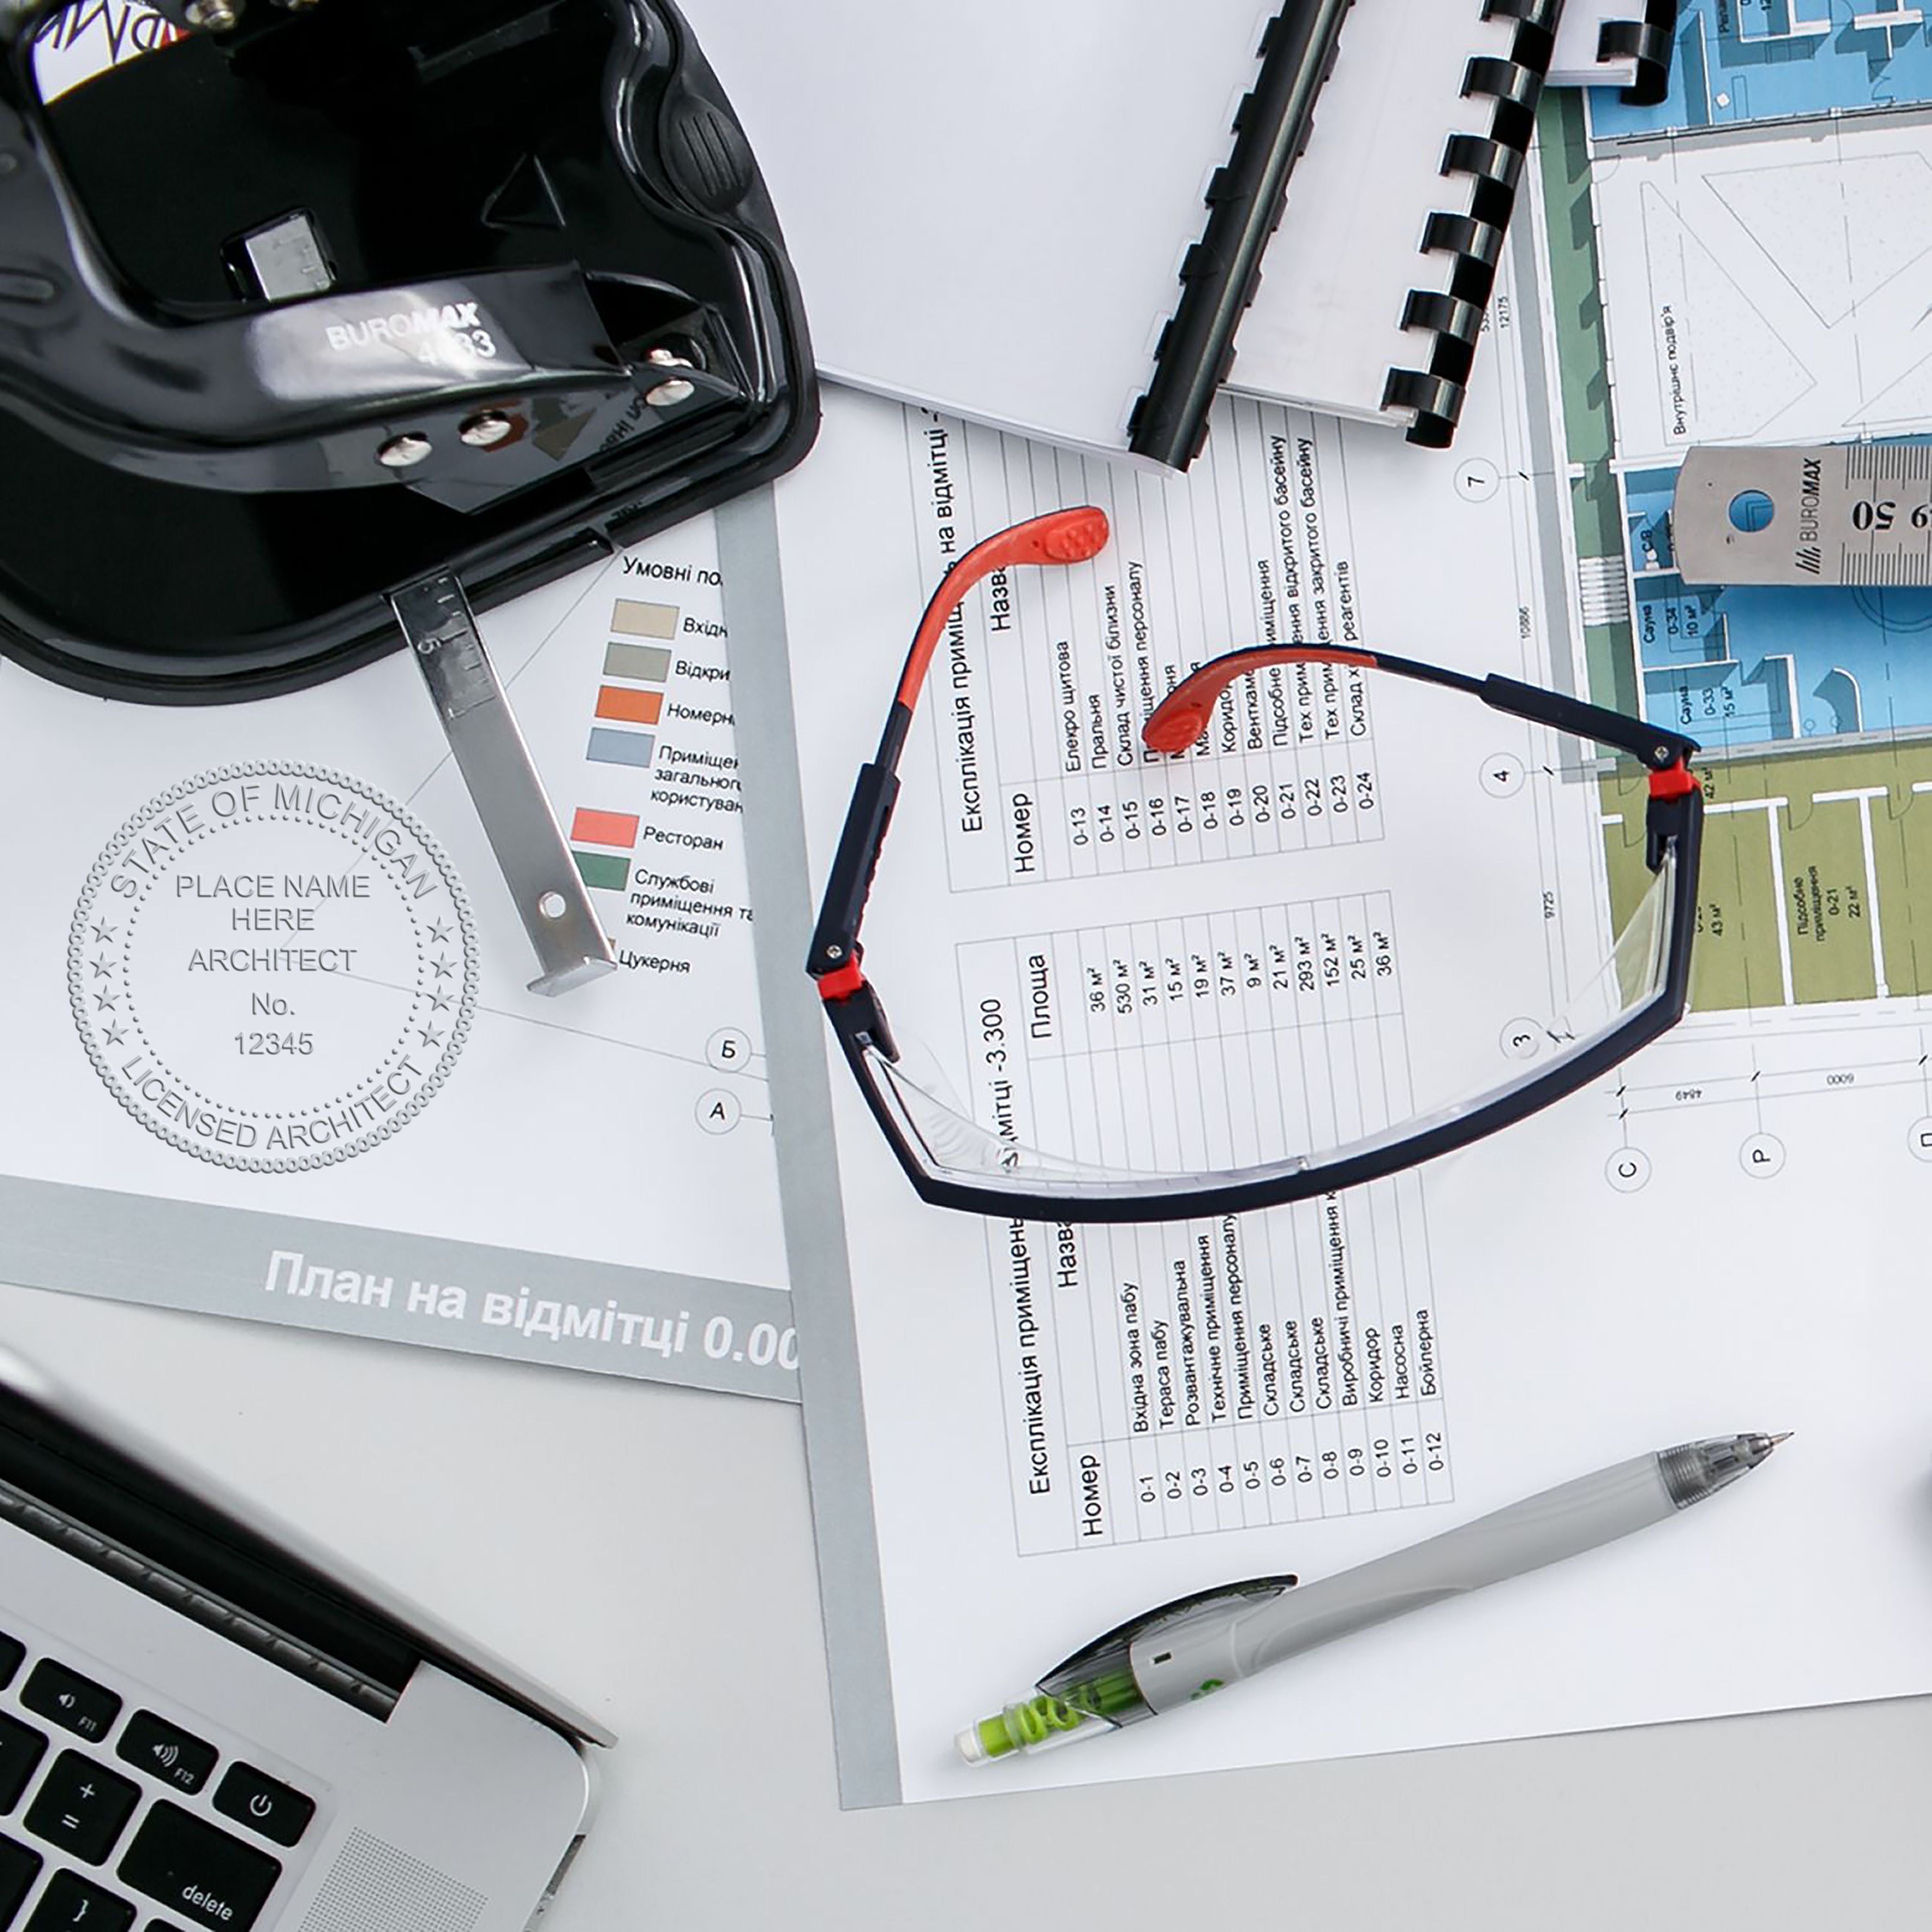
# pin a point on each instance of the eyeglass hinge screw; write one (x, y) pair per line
(486, 429)
(674, 390)
(403, 452)
(834, 952)
(213, 17)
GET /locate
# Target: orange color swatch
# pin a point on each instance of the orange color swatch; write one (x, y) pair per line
(631, 707)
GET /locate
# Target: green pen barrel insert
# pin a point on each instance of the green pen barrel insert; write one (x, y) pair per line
(1102, 1702)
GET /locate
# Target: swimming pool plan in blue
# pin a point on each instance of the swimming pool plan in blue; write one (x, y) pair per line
(1766, 277)
(1740, 665)
(1738, 62)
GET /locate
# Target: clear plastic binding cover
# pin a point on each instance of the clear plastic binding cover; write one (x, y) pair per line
(1489, 160)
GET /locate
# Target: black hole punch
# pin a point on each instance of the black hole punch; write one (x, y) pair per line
(240, 191)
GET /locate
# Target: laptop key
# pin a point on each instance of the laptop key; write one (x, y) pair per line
(202, 1875)
(66, 1698)
(12, 1652)
(259, 1801)
(71, 1904)
(152, 1744)
(21, 1748)
(81, 1809)
(19, 1868)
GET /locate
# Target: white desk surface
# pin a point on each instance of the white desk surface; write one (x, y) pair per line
(649, 1551)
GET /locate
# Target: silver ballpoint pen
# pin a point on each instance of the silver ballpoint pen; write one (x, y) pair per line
(1199, 1644)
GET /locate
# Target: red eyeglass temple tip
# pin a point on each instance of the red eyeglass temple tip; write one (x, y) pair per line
(1173, 727)
(1076, 535)
(1182, 715)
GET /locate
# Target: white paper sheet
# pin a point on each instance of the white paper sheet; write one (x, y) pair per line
(1326, 328)
(262, 996)
(1556, 1300)
(989, 213)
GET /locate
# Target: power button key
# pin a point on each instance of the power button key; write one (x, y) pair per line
(263, 1804)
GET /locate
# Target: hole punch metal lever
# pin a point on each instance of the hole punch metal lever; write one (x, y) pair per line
(550, 894)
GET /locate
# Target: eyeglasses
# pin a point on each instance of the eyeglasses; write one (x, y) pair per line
(1173, 1117)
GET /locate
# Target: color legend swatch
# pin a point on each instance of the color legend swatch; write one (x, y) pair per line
(647, 664)
(620, 748)
(639, 699)
(634, 707)
(633, 619)
(610, 871)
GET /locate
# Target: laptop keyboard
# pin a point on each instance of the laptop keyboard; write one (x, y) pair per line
(91, 1829)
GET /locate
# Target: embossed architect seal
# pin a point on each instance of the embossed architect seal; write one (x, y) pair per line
(272, 967)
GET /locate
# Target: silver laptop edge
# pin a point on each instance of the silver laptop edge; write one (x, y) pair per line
(427, 1785)
(437, 1638)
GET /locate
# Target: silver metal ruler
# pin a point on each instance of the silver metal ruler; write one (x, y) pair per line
(1839, 513)
(570, 946)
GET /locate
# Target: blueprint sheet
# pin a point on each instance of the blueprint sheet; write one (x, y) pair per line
(1021, 1434)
